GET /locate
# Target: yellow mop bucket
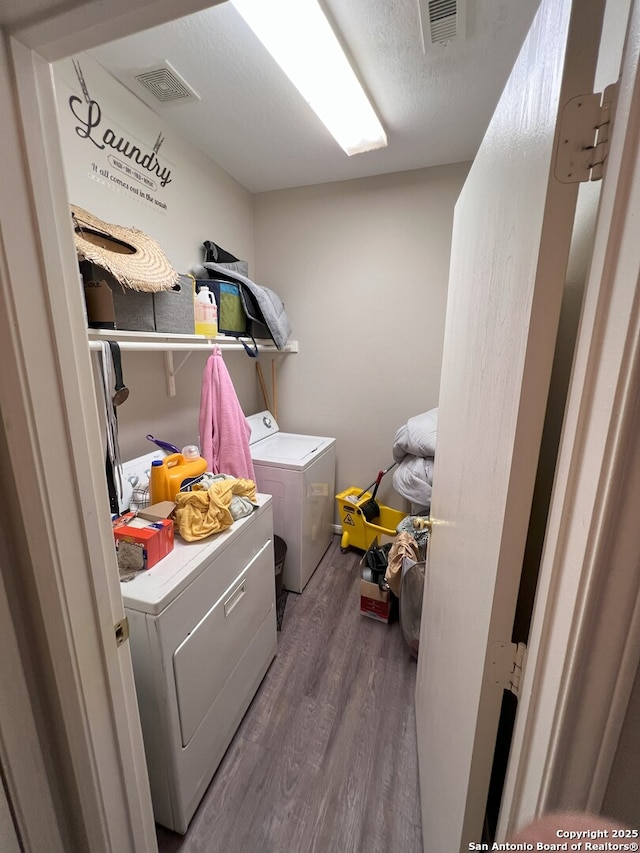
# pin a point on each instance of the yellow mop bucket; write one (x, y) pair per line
(357, 532)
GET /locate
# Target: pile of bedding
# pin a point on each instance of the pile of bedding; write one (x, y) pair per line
(414, 448)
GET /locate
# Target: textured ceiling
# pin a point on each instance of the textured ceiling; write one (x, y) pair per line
(15, 12)
(435, 105)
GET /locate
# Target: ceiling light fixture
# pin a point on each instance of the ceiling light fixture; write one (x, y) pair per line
(298, 36)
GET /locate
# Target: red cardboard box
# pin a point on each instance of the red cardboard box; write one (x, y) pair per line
(375, 602)
(140, 543)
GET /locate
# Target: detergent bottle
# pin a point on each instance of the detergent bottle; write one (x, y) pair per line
(173, 474)
(206, 313)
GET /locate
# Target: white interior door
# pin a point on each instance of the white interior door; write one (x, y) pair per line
(512, 231)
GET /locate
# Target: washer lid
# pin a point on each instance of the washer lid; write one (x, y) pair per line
(289, 450)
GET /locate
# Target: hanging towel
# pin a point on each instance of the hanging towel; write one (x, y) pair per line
(224, 431)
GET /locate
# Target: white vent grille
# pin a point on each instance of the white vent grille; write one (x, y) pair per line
(166, 85)
(442, 21)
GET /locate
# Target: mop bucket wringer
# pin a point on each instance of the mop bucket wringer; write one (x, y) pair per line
(357, 532)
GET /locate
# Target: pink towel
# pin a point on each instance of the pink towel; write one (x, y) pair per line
(224, 431)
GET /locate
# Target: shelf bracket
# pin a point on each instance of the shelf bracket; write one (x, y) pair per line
(172, 371)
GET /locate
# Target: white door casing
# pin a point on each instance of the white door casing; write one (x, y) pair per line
(512, 232)
(50, 419)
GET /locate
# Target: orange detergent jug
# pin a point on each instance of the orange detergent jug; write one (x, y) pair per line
(175, 473)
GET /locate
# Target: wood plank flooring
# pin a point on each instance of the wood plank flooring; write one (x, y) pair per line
(325, 758)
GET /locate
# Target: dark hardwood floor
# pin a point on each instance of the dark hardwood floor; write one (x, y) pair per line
(325, 757)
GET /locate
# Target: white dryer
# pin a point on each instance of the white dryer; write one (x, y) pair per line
(299, 471)
(202, 627)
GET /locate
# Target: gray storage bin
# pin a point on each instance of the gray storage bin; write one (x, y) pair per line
(112, 306)
(174, 308)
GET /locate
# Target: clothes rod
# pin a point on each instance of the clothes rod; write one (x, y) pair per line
(144, 346)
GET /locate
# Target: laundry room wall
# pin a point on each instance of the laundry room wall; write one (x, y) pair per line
(198, 201)
(362, 267)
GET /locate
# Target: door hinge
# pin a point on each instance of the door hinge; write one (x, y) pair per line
(583, 139)
(121, 630)
(506, 665)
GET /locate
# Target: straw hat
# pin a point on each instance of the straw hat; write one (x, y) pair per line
(131, 256)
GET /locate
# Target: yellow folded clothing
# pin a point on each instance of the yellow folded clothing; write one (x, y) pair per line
(200, 513)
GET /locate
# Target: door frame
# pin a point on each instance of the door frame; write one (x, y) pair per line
(68, 589)
(78, 604)
(88, 759)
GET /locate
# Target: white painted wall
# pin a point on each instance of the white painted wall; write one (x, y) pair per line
(202, 202)
(201, 198)
(362, 267)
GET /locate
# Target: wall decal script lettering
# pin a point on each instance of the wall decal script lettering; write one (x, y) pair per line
(89, 116)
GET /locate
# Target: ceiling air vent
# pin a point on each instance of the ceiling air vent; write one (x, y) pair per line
(166, 85)
(442, 21)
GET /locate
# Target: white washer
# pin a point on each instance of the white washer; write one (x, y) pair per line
(299, 471)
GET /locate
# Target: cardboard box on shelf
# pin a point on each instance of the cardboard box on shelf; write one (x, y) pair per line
(158, 511)
(374, 602)
(112, 306)
(140, 543)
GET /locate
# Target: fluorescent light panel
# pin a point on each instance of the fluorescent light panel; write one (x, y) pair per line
(298, 36)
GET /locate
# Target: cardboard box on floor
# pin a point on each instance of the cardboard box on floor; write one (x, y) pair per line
(374, 602)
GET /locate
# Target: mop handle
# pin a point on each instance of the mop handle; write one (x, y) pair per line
(376, 482)
(375, 488)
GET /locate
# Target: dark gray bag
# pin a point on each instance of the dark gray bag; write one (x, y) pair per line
(264, 308)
